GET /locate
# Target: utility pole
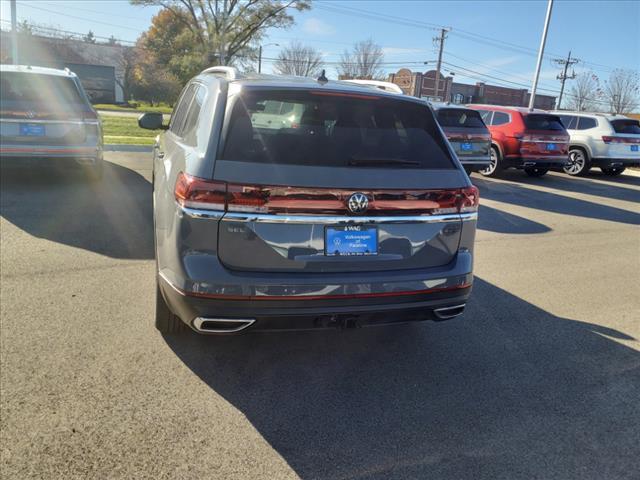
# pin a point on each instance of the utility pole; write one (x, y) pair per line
(260, 59)
(563, 76)
(14, 33)
(440, 40)
(543, 41)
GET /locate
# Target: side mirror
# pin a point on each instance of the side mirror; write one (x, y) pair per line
(151, 121)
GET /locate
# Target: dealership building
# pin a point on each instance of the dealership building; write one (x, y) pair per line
(423, 85)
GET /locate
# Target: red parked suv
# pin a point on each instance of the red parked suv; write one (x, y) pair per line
(533, 140)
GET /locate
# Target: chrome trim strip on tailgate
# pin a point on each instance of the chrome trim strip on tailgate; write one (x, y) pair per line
(29, 120)
(323, 219)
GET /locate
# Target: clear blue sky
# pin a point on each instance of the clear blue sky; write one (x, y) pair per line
(604, 34)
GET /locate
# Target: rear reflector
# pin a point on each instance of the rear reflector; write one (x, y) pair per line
(194, 192)
(609, 140)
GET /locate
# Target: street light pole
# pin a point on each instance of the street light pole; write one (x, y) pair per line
(543, 41)
(260, 54)
(14, 33)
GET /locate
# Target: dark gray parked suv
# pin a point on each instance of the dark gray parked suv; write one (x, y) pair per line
(290, 203)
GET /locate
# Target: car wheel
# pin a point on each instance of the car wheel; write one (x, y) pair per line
(578, 163)
(166, 320)
(536, 172)
(613, 171)
(494, 169)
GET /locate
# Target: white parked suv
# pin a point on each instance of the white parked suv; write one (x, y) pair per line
(611, 142)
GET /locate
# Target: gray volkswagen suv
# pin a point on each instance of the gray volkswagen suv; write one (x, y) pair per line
(294, 203)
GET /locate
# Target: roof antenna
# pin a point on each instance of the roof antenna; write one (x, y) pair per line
(322, 79)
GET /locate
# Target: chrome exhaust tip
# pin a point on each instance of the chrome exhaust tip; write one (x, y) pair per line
(222, 325)
(445, 313)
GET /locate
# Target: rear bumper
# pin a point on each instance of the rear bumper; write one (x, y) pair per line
(475, 163)
(372, 299)
(549, 161)
(51, 151)
(615, 162)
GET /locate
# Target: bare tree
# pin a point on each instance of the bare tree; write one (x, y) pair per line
(224, 29)
(622, 89)
(363, 62)
(584, 93)
(297, 59)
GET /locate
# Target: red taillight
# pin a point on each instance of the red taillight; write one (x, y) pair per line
(608, 140)
(194, 192)
(468, 199)
(89, 115)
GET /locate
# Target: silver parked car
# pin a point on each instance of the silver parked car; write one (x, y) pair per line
(356, 213)
(45, 114)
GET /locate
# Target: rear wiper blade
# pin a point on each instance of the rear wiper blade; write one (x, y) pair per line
(373, 161)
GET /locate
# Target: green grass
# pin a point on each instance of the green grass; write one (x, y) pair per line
(140, 107)
(125, 130)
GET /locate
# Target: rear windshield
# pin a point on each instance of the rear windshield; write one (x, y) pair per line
(458, 117)
(334, 129)
(536, 121)
(40, 89)
(626, 126)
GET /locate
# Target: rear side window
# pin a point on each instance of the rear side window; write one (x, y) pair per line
(38, 88)
(180, 111)
(628, 125)
(569, 121)
(537, 121)
(193, 113)
(585, 123)
(500, 118)
(458, 117)
(334, 129)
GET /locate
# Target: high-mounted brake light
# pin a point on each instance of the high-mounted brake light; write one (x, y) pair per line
(344, 94)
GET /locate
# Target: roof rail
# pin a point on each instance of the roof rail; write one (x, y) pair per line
(231, 73)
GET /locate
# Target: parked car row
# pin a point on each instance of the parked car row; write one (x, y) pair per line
(535, 141)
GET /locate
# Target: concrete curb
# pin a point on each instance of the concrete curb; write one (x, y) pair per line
(127, 148)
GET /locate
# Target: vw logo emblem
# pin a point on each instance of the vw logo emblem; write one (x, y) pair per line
(358, 203)
(31, 114)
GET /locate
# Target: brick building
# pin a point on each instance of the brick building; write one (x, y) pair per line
(423, 85)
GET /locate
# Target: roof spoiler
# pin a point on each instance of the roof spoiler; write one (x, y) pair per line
(230, 73)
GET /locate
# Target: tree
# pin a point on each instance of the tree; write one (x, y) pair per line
(363, 62)
(90, 37)
(225, 29)
(621, 90)
(297, 59)
(584, 92)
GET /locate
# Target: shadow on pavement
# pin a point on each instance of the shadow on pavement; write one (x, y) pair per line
(112, 217)
(518, 194)
(593, 184)
(508, 391)
(494, 220)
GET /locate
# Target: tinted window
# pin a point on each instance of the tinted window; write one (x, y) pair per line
(41, 89)
(486, 116)
(500, 118)
(192, 115)
(626, 126)
(585, 123)
(569, 121)
(537, 121)
(179, 112)
(458, 117)
(336, 130)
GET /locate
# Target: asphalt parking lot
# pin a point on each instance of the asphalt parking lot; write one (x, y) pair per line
(539, 379)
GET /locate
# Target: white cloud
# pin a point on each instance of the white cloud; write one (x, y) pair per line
(315, 26)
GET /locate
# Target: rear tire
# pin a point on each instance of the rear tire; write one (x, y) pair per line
(495, 167)
(536, 172)
(579, 163)
(613, 171)
(166, 320)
